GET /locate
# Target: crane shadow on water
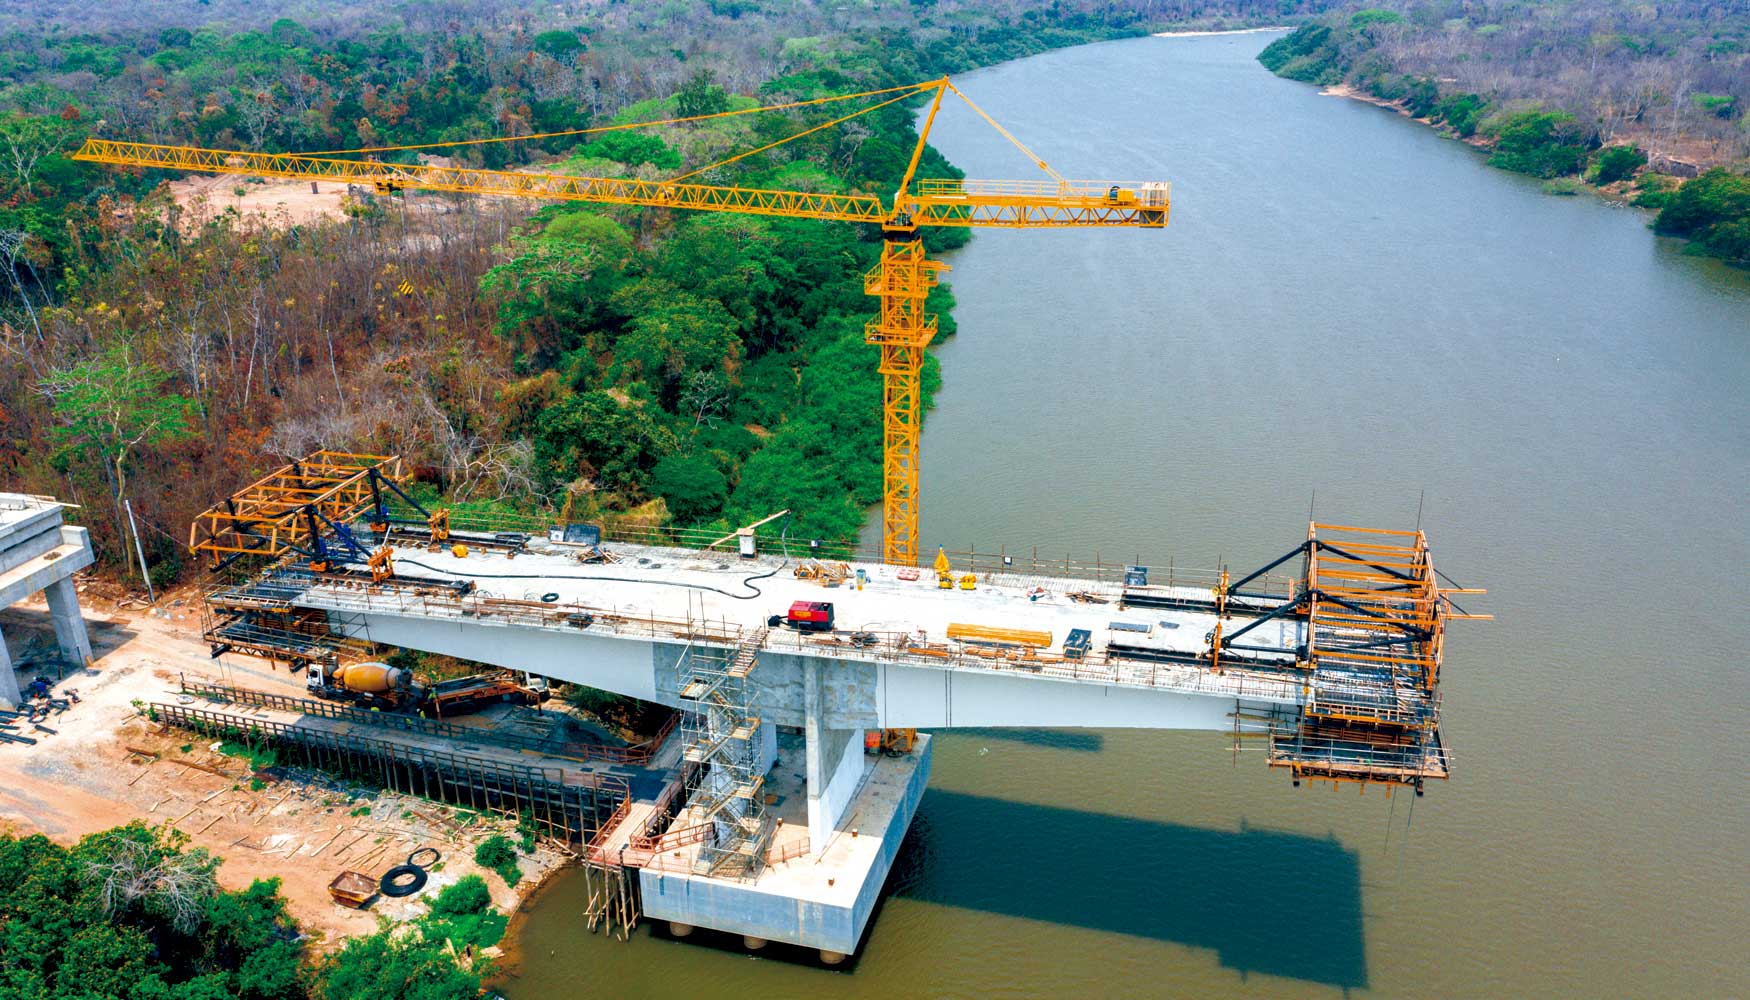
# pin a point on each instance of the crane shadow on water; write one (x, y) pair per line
(1265, 901)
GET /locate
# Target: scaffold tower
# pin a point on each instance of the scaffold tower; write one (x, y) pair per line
(722, 741)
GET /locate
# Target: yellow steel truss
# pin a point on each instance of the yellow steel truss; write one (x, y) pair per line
(270, 516)
(901, 281)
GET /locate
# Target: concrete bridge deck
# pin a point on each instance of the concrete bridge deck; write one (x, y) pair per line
(682, 595)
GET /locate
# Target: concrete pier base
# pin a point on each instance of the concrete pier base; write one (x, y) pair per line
(70, 632)
(752, 943)
(823, 899)
(678, 929)
(39, 553)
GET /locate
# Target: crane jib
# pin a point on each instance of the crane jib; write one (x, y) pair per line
(937, 203)
(903, 329)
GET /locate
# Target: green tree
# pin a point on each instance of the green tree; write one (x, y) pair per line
(108, 409)
(701, 96)
(497, 854)
(691, 485)
(26, 141)
(1540, 143)
(559, 44)
(131, 914)
(1713, 209)
(559, 283)
(596, 435)
(673, 334)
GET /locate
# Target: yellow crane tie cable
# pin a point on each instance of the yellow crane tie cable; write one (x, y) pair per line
(1041, 164)
(609, 128)
(826, 125)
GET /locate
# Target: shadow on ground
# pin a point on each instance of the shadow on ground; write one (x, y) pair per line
(1265, 901)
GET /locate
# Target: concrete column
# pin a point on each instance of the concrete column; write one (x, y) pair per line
(818, 824)
(9, 691)
(768, 747)
(69, 626)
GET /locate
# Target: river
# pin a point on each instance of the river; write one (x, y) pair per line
(1350, 313)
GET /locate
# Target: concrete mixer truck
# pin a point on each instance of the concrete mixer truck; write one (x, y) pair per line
(391, 689)
(377, 685)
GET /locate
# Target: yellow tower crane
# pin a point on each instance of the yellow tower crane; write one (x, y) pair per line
(901, 281)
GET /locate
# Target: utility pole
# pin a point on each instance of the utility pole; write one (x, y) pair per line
(139, 550)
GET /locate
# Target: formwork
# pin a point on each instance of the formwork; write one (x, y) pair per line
(570, 807)
(640, 754)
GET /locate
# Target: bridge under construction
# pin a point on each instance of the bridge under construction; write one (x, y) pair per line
(801, 674)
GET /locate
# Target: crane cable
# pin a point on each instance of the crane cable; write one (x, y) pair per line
(809, 131)
(909, 88)
(1037, 161)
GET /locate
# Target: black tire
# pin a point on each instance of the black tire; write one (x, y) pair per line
(551, 597)
(435, 857)
(402, 880)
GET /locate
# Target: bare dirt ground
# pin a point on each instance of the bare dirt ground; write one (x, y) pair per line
(104, 764)
(276, 203)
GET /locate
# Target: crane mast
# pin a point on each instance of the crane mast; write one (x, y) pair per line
(902, 328)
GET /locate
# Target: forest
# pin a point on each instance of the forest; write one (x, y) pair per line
(696, 370)
(135, 912)
(1630, 98)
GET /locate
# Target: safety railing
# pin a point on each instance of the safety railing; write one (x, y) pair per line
(947, 187)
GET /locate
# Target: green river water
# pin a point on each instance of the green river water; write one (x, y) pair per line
(1350, 312)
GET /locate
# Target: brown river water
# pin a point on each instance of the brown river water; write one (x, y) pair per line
(1350, 313)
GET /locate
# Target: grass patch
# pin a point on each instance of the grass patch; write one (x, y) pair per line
(259, 759)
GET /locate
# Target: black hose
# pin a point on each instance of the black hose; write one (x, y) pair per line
(746, 582)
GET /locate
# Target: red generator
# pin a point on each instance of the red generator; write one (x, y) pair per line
(810, 616)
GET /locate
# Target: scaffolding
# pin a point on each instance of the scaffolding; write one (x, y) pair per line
(722, 740)
(570, 807)
(1374, 618)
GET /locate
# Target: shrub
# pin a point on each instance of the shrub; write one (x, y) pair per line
(1462, 112)
(467, 896)
(496, 854)
(1653, 190)
(1617, 163)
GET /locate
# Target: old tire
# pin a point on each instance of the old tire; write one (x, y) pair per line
(402, 880)
(435, 857)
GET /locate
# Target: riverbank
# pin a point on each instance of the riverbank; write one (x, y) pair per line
(1229, 31)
